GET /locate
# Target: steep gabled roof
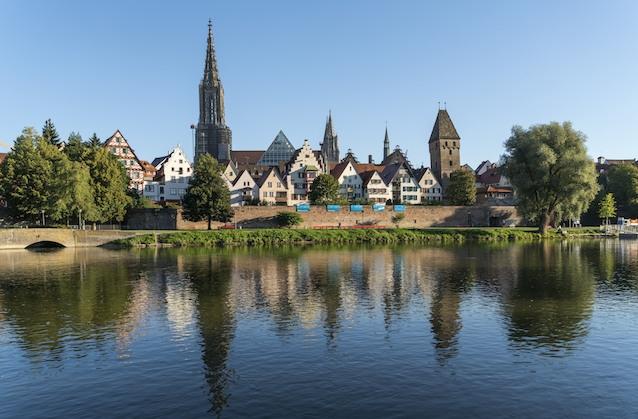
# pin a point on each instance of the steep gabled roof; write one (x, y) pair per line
(491, 176)
(367, 176)
(266, 175)
(443, 128)
(339, 168)
(390, 172)
(157, 161)
(239, 175)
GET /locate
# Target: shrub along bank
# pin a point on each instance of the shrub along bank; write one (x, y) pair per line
(270, 237)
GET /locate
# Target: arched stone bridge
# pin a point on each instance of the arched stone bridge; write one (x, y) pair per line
(21, 238)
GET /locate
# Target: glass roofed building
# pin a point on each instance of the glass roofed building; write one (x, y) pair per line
(280, 151)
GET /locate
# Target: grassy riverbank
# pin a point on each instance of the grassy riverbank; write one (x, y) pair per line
(274, 237)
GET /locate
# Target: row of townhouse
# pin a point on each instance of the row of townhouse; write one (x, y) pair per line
(395, 182)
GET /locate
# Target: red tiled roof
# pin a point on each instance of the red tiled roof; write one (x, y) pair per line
(490, 176)
(2, 157)
(244, 157)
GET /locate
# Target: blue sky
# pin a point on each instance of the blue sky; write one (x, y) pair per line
(100, 66)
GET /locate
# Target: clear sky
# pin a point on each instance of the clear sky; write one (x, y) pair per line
(135, 65)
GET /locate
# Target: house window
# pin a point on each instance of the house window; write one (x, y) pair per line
(450, 163)
(270, 184)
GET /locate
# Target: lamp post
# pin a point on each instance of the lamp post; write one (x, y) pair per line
(43, 221)
(80, 219)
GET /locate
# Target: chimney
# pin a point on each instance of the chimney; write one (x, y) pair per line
(370, 161)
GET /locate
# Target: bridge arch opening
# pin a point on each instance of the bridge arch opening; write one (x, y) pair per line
(45, 245)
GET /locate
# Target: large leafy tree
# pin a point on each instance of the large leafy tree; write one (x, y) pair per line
(622, 182)
(552, 175)
(461, 189)
(110, 184)
(207, 196)
(324, 190)
(49, 133)
(36, 177)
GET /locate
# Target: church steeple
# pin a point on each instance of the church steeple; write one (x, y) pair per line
(386, 144)
(212, 135)
(210, 67)
(330, 144)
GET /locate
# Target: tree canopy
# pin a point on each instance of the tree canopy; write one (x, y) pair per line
(607, 208)
(49, 133)
(462, 188)
(207, 196)
(622, 182)
(552, 175)
(324, 190)
(37, 176)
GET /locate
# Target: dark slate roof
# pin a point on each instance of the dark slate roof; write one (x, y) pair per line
(159, 160)
(444, 128)
(244, 157)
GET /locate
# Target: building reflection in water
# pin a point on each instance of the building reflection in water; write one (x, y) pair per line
(70, 302)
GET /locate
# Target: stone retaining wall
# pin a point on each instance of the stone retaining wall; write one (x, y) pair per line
(318, 217)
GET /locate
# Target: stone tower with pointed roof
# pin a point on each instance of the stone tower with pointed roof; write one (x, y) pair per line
(330, 144)
(386, 145)
(212, 134)
(445, 147)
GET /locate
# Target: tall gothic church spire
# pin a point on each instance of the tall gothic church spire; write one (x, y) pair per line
(330, 144)
(212, 135)
(386, 144)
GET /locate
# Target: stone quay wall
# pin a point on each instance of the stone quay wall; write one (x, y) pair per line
(319, 217)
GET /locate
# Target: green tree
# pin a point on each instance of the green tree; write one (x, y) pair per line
(288, 219)
(207, 196)
(94, 141)
(110, 185)
(396, 219)
(49, 133)
(622, 182)
(75, 148)
(462, 188)
(551, 173)
(607, 208)
(324, 190)
(36, 177)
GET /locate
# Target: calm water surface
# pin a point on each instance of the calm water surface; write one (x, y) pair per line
(543, 330)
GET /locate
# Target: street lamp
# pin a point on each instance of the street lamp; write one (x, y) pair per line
(42, 212)
(80, 219)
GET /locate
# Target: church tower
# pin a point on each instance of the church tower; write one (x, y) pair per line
(212, 135)
(445, 147)
(330, 144)
(386, 145)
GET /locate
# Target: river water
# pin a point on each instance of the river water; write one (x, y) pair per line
(536, 330)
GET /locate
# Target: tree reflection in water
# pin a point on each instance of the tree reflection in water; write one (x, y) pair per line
(551, 299)
(75, 302)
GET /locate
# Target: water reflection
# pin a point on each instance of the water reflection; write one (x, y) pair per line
(69, 303)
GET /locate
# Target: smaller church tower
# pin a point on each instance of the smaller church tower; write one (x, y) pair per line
(386, 145)
(445, 147)
(330, 144)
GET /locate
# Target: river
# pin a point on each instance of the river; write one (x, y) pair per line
(508, 330)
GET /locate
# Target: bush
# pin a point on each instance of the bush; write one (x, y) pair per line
(288, 219)
(396, 219)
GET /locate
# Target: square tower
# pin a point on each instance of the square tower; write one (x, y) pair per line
(445, 148)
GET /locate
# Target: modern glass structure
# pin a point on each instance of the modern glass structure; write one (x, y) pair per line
(280, 150)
